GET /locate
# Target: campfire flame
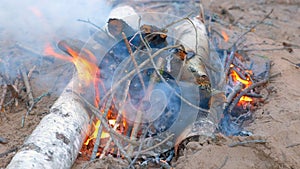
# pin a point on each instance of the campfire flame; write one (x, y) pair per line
(246, 83)
(84, 63)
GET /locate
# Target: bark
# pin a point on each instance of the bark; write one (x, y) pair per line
(58, 138)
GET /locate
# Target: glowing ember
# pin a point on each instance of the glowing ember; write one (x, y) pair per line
(225, 36)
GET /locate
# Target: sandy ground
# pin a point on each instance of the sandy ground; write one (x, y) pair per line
(277, 121)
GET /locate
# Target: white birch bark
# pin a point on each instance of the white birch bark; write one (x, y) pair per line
(58, 138)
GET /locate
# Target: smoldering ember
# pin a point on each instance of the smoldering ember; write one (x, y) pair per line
(149, 84)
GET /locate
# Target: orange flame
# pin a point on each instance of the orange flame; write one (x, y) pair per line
(84, 63)
(236, 78)
(95, 133)
(225, 36)
(247, 83)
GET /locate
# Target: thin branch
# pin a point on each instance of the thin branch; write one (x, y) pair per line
(91, 23)
(224, 163)
(247, 90)
(4, 87)
(98, 138)
(247, 142)
(97, 113)
(254, 26)
(27, 85)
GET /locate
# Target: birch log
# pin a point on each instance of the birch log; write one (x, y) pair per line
(58, 138)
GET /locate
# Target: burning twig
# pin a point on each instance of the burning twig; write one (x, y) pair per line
(247, 90)
(118, 117)
(231, 57)
(112, 132)
(97, 142)
(4, 87)
(235, 91)
(247, 142)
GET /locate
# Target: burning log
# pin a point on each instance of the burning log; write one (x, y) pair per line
(56, 141)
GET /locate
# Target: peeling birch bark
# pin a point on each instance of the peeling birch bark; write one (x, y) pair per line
(58, 138)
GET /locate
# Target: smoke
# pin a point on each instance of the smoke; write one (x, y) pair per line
(35, 23)
(32, 21)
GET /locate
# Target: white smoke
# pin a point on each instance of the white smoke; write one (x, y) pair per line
(34, 21)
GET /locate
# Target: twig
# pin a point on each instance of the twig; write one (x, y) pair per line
(133, 60)
(27, 85)
(113, 133)
(293, 145)
(8, 151)
(117, 84)
(156, 145)
(31, 71)
(4, 87)
(140, 146)
(269, 49)
(118, 117)
(89, 22)
(224, 163)
(247, 142)
(97, 113)
(275, 75)
(36, 100)
(232, 94)
(98, 138)
(254, 26)
(230, 60)
(296, 65)
(247, 90)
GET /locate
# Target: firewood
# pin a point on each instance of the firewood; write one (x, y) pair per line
(56, 141)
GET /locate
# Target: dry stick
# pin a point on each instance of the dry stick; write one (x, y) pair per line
(224, 163)
(296, 65)
(167, 84)
(293, 145)
(8, 151)
(269, 49)
(235, 91)
(246, 142)
(113, 133)
(27, 85)
(254, 85)
(118, 117)
(31, 71)
(114, 87)
(133, 60)
(156, 145)
(98, 138)
(254, 26)
(3, 96)
(230, 60)
(89, 22)
(97, 113)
